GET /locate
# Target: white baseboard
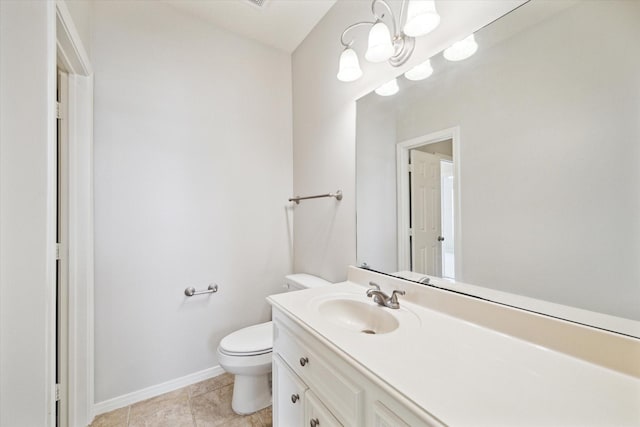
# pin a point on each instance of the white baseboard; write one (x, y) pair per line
(156, 390)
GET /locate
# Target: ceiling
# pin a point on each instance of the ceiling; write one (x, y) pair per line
(282, 24)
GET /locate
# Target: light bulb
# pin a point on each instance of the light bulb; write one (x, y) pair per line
(422, 18)
(388, 89)
(380, 48)
(349, 69)
(462, 49)
(420, 71)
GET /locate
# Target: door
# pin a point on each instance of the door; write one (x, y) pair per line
(288, 395)
(317, 415)
(384, 417)
(426, 233)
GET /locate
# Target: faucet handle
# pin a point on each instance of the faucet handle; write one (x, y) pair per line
(372, 290)
(394, 296)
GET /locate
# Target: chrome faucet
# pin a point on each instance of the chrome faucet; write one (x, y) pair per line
(383, 299)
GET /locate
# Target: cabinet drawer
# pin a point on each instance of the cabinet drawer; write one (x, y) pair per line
(321, 372)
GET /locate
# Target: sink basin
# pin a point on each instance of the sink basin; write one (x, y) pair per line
(359, 316)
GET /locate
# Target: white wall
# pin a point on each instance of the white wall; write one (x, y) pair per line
(27, 235)
(193, 169)
(324, 123)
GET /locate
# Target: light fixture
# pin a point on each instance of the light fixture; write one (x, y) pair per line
(422, 18)
(380, 48)
(462, 49)
(388, 89)
(420, 71)
(349, 66)
(386, 41)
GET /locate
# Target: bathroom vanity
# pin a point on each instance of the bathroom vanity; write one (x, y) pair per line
(442, 358)
(314, 384)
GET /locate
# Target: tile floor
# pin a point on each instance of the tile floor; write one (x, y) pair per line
(205, 404)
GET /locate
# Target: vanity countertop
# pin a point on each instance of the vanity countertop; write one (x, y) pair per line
(466, 374)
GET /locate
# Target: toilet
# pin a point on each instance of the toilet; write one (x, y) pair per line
(246, 353)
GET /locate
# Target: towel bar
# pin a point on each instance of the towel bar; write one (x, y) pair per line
(337, 195)
(191, 291)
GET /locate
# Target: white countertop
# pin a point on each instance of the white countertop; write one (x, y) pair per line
(586, 317)
(468, 375)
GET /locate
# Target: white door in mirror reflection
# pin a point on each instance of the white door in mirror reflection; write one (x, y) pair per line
(431, 192)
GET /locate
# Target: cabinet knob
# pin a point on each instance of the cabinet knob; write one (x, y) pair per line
(314, 422)
(294, 398)
(304, 361)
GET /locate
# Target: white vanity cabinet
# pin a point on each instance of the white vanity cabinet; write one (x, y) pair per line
(437, 368)
(315, 386)
(317, 414)
(294, 404)
(290, 392)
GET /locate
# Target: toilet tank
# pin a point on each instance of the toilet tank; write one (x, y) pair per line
(294, 282)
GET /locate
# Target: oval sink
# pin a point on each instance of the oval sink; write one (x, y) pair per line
(358, 316)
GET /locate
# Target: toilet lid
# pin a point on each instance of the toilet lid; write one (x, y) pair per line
(252, 339)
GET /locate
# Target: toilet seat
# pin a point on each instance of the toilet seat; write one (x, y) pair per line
(250, 341)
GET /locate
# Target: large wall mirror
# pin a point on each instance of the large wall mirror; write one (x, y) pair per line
(514, 175)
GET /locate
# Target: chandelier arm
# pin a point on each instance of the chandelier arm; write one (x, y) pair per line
(402, 11)
(393, 16)
(351, 27)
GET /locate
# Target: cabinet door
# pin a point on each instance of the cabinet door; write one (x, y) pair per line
(383, 417)
(288, 395)
(316, 414)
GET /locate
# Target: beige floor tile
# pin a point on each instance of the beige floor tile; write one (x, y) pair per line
(210, 384)
(252, 420)
(213, 408)
(210, 406)
(149, 407)
(171, 415)
(266, 416)
(117, 418)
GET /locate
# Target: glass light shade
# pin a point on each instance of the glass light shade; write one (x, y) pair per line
(420, 71)
(349, 66)
(422, 18)
(380, 48)
(388, 89)
(462, 49)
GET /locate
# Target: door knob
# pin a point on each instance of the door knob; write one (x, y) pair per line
(440, 239)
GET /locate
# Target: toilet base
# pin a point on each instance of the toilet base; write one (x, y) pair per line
(251, 393)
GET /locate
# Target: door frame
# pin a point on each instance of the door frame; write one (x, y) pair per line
(404, 197)
(72, 57)
(62, 267)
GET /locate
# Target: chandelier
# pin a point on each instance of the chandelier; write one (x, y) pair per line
(393, 45)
